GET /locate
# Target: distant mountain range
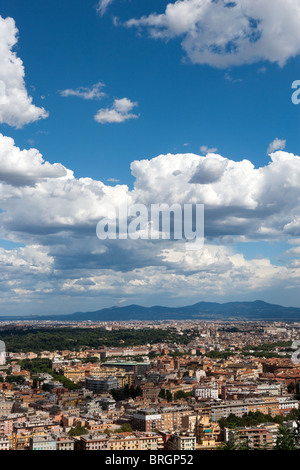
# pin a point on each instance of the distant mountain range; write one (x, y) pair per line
(257, 310)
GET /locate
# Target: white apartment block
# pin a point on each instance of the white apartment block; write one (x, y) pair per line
(206, 392)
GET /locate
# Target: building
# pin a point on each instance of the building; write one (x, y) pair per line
(253, 437)
(5, 407)
(204, 392)
(268, 406)
(51, 442)
(147, 420)
(107, 404)
(36, 426)
(207, 433)
(42, 443)
(65, 443)
(4, 443)
(286, 405)
(91, 407)
(139, 368)
(182, 441)
(125, 352)
(101, 385)
(189, 422)
(7, 422)
(93, 442)
(165, 419)
(121, 442)
(150, 391)
(136, 441)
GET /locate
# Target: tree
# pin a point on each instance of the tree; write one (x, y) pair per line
(162, 393)
(17, 379)
(243, 445)
(124, 428)
(231, 444)
(250, 419)
(46, 387)
(181, 394)
(126, 391)
(91, 360)
(114, 394)
(78, 431)
(34, 383)
(132, 392)
(285, 439)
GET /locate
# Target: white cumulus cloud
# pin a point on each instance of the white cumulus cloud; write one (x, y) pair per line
(224, 33)
(16, 108)
(119, 112)
(25, 167)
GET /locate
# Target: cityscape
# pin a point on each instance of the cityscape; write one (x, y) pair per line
(156, 386)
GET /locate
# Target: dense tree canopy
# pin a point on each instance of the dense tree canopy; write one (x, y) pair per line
(73, 339)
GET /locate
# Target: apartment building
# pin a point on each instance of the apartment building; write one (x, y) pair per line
(204, 392)
(125, 352)
(135, 442)
(253, 437)
(139, 368)
(165, 419)
(240, 407)
(182, 441)
(121, 442)
(64, 443)
(208, 433)
(42, 443)
(4, 443)
(286, 405)
(51, 442)
(36, 426)
(243, 390)
(7, 422)
(93, 442)
(101, 385)
(6, 407)
(150, 391)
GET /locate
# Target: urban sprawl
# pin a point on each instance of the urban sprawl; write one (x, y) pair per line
(169, 385)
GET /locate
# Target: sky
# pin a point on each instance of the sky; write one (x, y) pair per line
(148, 102)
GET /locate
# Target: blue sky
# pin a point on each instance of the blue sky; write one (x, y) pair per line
(64, 44)
(180, 97)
